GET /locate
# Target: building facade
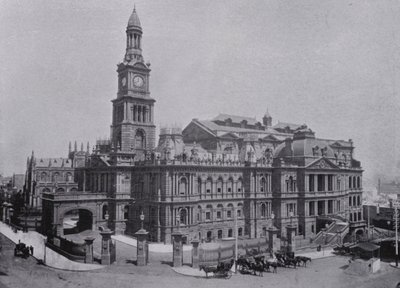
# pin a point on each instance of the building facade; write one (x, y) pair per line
(52, 175)
(214, 174)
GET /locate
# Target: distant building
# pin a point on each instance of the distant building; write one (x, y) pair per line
(18, 181)
(52, 175)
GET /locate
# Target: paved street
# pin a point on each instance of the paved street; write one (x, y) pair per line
(327, 272)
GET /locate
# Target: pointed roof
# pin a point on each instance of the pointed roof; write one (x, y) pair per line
(134, 20)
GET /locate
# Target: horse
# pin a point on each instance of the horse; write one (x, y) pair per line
(303, 260)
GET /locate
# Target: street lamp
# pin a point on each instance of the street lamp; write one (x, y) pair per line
(236, 239)
(142, 219)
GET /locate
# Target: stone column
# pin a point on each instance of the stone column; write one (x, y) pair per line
(195, 254)
(272, 234)
(89, 249)
(141, 237)
(105, 247)
(177, 254)
(291, 232)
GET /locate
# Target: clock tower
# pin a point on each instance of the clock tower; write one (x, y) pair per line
(132, 129)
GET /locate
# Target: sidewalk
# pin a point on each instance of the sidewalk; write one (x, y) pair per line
(41, 252)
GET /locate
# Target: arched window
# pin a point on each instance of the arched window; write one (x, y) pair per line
(209, 212)
(350, 182)
(240, 210)
(358, 182)
(182, 185)
(73, 190)
(229, 185)
(209, 185)
(43, 177)
(199, 212)
(358, 200)
(220, 209)
(263, 210)
(240, 231)
(209, 235)
(46, 190)
(219, 234)
(354, 201)
(230, 233)
(55, 177)
(229, 211)
(239, 185)
(183, 216)
(60, 190)
(126, 212)
(350, 201)
(68, 177)
(359, 216)
(199, 185)
(139, 140)
(354, 182)
(219, 185)
(263, 185)
(351, 217)
(104, 211)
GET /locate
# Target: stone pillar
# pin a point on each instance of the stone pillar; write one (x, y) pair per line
(105, 247)
(272, 234)
(177, 253)
(195, 254)
(290, 233)
(89, 249)
(142, 251)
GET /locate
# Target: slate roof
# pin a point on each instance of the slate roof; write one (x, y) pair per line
(283, 125)
(235, 119)
(54, 162)
(219, 130)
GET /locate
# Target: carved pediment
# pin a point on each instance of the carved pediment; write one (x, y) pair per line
(322, 163)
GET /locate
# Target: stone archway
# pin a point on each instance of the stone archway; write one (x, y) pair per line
(74, 220)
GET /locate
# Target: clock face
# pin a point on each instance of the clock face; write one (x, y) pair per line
(138, 81)
(123, 81)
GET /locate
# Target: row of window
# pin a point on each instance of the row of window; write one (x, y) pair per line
(355, 200)
(354, 182)
(210, 234)
(55, 177)
(58, 190)
(321, 209)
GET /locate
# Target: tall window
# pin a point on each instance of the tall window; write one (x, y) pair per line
(229, 185)
(290, 208)
(311, 208)
(183, 216)
(263, 185)
(208, 185)
(330, 182)
(219, 185)
(350, 182)
(229, 211)
(321, 182)
(311, 183)
(358, 182)
(104, 211)
(263, 210)
(139, 140)
(239, 185)
(182, 185)
(199, 185)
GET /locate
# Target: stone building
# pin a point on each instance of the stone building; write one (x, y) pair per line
(214, 172)
(57, 175)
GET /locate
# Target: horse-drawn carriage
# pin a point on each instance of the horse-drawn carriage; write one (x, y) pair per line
(21, 250)
(222, 270)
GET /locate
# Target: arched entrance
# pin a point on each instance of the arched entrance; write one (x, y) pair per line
(76, 221)
(359, 234)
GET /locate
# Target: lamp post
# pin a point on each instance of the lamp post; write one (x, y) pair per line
(141, 219)
(236, 239)
(106, 217)
(396, 227)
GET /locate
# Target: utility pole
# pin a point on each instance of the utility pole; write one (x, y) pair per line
(396, 227)
(236, 240)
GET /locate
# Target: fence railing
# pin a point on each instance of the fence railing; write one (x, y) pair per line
(213, 253)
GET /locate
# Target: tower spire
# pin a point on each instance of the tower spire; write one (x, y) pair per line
(134, 38)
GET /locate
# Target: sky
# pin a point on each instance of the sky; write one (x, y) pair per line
(333, 65)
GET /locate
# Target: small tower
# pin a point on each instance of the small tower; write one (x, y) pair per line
(134, 38)
(267, 119)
